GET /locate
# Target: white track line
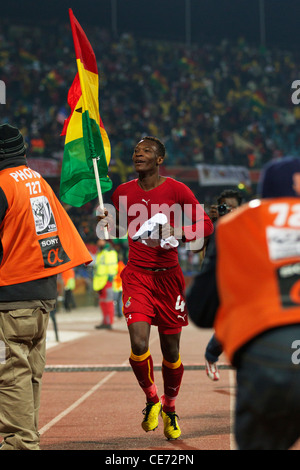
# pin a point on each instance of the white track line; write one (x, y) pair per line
(83, 398)
(76, 403)
(232, 386)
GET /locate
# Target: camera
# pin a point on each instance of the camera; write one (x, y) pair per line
(223, 209)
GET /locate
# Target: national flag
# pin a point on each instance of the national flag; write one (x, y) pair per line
(37, 145)
(86, 138)
(159, 81)
(187, 64)
(27, 56)
(258, 102)
(258, 99)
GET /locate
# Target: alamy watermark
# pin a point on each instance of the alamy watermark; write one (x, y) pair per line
(137, 215)
(296, 354)
(2, 92)
(296, 94)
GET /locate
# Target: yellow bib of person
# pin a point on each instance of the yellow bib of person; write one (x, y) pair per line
(106, 265)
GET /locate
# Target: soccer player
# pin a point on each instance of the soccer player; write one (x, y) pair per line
(153, 282)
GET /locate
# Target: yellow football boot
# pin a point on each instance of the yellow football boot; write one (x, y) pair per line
(151, 413)
(171, 428)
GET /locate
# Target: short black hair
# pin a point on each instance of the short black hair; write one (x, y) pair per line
(230, 193)
(160, 145)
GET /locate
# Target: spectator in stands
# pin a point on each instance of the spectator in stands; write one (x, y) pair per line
(216, 103)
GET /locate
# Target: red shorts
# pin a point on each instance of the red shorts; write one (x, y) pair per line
(156, 297)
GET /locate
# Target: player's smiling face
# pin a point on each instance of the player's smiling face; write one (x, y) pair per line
(145, 156)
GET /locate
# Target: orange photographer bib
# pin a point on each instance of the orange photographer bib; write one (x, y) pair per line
(258, 270)
(38, 238)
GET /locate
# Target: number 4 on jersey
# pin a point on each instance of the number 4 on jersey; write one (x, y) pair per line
(180, 305)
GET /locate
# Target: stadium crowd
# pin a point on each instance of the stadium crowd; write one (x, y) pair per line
(223, 104)
(228, 103)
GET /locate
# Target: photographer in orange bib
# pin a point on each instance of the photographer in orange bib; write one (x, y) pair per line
(227, 201)
(37, 242)
(248, 289)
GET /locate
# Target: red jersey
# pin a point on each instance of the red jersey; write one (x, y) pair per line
(172, 198)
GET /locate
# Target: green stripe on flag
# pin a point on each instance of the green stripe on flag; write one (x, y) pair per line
(78, 184)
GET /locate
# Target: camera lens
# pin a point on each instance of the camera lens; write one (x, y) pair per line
(222, 209)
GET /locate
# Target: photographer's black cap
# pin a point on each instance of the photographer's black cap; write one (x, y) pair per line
(278, 178)
(11, 142)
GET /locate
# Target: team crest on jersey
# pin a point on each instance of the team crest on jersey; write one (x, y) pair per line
(43, 215)
(128, 303)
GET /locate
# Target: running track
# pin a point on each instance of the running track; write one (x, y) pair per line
(91, 401)
(97, 405)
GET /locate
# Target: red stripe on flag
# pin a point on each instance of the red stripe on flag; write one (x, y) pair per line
(83, 48)
(73, 97)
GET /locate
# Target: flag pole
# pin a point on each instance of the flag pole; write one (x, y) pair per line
(100, 198)
(96, 172)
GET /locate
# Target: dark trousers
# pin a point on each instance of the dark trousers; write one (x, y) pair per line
(268, 392)
(213, 350)
(69, 300)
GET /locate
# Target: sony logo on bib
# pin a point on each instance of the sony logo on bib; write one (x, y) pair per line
(53, 252)
(289, 284)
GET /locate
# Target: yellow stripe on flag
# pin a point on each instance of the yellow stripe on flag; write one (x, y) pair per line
(106, 144)
(89, 82)
(74, 129)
